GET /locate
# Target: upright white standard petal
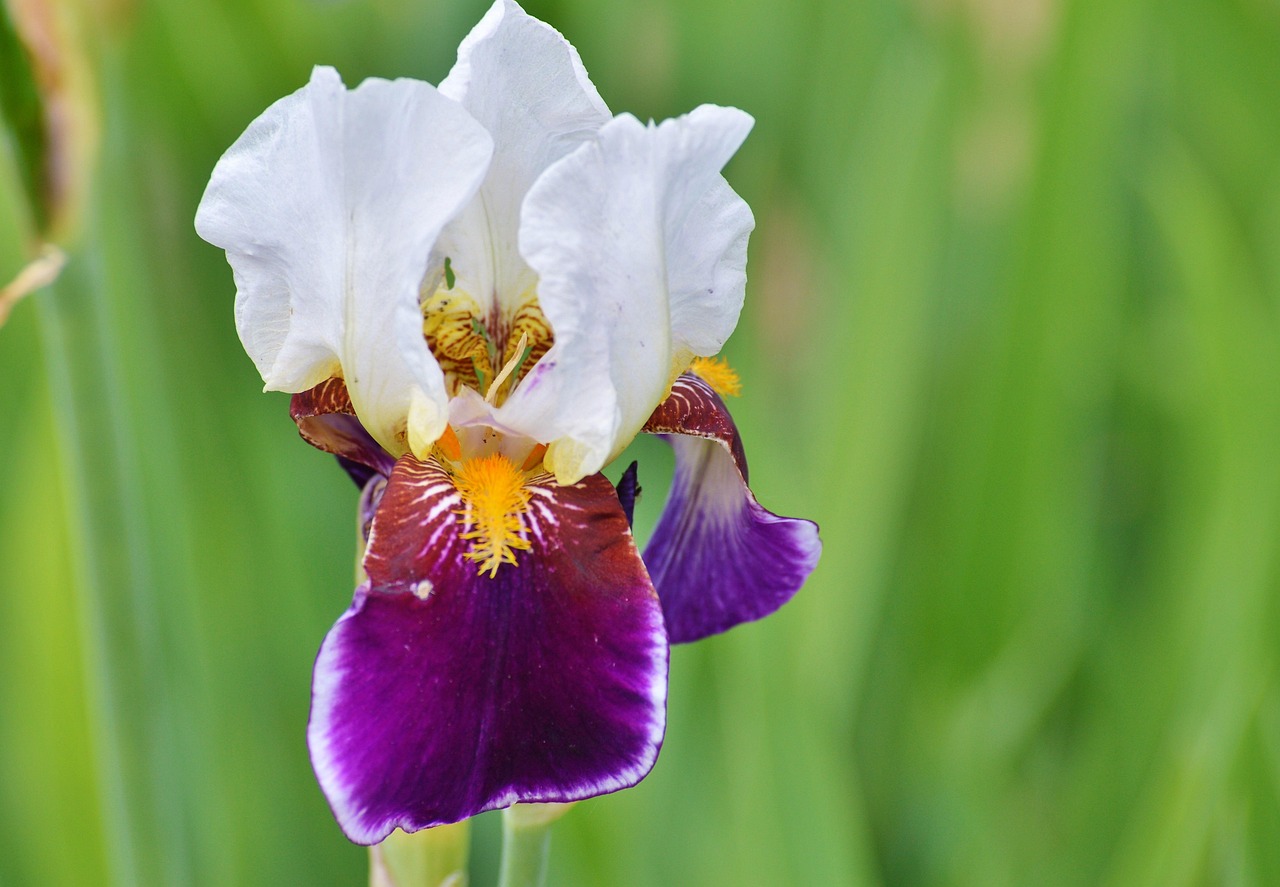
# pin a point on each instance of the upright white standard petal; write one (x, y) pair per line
(640, 248)
(527, 86)
(328, 206)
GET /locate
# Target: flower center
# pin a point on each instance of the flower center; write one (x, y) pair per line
(489, 352)
(495, 500)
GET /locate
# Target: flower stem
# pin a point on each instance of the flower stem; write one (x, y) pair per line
(526, 843)
(434, 857)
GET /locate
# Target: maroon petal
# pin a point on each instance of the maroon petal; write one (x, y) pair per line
(717, 557)
(442, 693)
(328, 422)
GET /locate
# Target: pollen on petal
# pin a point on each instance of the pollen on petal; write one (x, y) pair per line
(496, 500)
(717, 373)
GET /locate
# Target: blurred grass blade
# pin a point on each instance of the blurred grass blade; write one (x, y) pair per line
(23, 112)
(1187, 799)
(49, 106)
(39, 272)
(131, 716)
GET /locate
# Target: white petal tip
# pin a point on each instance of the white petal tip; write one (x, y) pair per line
(325, 75)
(425, 424)
(732, 120)
(571, 460)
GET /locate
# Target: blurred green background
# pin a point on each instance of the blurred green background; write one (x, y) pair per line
(1011, 338)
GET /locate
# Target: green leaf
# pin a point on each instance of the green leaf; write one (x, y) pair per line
(22, 111)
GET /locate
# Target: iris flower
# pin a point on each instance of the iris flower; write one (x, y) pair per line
(478, 294)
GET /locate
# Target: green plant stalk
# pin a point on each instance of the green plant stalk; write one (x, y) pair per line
(129, 698)
(434, 857)
(526, 846)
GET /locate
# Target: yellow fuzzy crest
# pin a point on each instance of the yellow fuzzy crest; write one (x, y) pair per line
(496, 500)
(717, 373)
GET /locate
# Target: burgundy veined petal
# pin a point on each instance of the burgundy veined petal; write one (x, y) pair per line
(717, 557)
(443, 693)
(328, 422)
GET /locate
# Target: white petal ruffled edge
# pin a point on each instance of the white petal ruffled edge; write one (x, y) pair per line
(640, 248)
(328, 206)
(526, 85)
(511, 27)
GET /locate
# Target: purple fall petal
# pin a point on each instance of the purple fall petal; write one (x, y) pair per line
(717, 557)
(442, 693)
(327, 421)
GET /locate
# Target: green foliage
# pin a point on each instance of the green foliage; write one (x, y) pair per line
(1011, 337)
(21, 115)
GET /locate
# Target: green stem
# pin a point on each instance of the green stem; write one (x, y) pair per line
(526, 846)
(434, 857)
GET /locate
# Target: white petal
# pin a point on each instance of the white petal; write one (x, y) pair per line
(640, 247)
(328, 206)
(526, 85)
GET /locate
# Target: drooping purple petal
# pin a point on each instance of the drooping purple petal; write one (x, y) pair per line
(442, 693)
(717, 557)
(328, 422)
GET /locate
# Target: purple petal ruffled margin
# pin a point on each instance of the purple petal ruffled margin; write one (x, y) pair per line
(443, 693)
(717, 557)
(328, 422)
